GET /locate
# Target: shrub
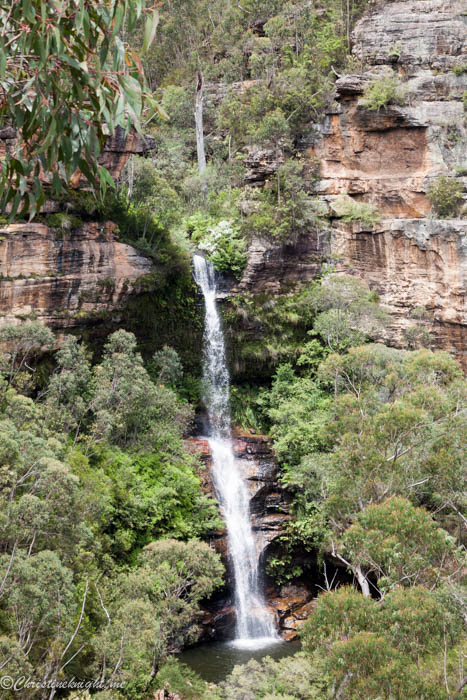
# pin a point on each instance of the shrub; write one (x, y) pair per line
(350, 210)
(460, 69)
(222, 242)
(63, 223)
(445, 195)
(416, 337)
(382, 91)
(167, 366)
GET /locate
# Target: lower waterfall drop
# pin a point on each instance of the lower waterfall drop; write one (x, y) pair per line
(255, 624)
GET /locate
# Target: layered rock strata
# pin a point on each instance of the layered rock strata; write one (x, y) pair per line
(390, 158)
(66, 279)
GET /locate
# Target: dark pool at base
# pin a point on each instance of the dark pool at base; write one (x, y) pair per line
(214, 661)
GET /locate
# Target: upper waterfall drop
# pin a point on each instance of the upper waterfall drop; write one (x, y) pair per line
(255, 624)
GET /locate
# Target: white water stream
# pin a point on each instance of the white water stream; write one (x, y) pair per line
(255, 625)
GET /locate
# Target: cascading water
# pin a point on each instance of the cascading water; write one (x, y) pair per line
(255, 625)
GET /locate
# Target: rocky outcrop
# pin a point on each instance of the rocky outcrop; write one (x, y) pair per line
(390, 158)
(291, 604)
(65, 280)
(269, 510)
(273, 267)
(268, 504)
(121, 146)
(413, 263)
(72, 276)
(429, 33)
(261, 164)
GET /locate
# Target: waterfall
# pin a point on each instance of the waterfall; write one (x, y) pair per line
(255, 625)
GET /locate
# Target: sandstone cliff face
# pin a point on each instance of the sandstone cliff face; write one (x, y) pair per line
(390, 158)
(413, 263)
(69, 279)
(62, 281)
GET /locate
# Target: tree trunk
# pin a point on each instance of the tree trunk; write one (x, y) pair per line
(362, 581)
(199, 130)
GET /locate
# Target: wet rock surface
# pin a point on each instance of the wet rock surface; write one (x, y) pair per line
(292, 605)
(269, 505)
(270, 512)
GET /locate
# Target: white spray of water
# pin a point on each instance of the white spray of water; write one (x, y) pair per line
(255, 625)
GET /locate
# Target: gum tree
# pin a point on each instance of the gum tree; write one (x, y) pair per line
(67, 82)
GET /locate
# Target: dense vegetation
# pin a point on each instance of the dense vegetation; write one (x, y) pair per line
(103, 525)
(102, 567)
(103, 512)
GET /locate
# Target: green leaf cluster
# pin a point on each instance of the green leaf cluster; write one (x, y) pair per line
(446, 196)
(68, 83)
(102, 511)
(383, 91)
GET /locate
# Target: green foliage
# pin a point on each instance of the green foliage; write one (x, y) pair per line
(267, 329)
(390, 434)
(383, 91)
(284, 210)
(70, 388)
(270, 329)
(273, 131)
(297, 410)
(247, 407)
(417, 337)
(65, 91)
(154, 494)
(82, 577)
(291, 67)
(63, 223)
(22, 342)
(293, 677)
(446, 196)
(167, 366)
(338, 615)
(152, 611)
(129, 409)
(287, 77)
(393, 431)
(385, 648)
(350, 210)
(221, 240)
(460, 69)
(150, 194)
(180, 678)
(349, 312)
(401, 544)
